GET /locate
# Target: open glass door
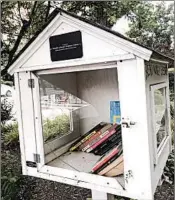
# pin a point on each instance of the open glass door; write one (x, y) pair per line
(160, 118)
(56, 117)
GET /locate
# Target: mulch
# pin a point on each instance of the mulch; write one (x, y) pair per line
(49, 190)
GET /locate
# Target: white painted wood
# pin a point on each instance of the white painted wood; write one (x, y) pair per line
(72, 65)
(132, 92)
(27, 116)
(88, 185)
(157, 152)
(20, 122)
(156, 171)
(120, 42)
(93, 47)
(38, 121)
(81, 176)
(97, 88)
(65, 22)
(96, 195)
(79, 161)
(79, 183)
(58, 152)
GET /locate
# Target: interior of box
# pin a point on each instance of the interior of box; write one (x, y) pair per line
(72, 104)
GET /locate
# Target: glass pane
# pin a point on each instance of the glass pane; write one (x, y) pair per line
(160, 114)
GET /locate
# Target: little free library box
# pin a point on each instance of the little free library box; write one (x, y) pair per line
(93, 108)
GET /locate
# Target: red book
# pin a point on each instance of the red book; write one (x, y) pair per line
(106, 136)
(95, 138)
(105, 159)
(90, 139)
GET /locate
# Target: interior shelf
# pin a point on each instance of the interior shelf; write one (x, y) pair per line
(79, 161)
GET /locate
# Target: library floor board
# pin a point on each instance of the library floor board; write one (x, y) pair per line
(79, 161)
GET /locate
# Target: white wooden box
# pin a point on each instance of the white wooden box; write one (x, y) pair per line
(112, 68)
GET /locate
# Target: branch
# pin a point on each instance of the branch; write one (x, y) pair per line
(21, 34)
(19, 10)
(33, 11)
(47, 11)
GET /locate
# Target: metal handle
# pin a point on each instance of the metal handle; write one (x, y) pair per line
(127, 122)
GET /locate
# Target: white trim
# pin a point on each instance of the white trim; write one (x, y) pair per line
(77, 62)
(159, 150)
(104, 35)
(124, 44)
(20, 123)
(38, 121)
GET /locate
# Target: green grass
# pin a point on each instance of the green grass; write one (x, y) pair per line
(10, 134)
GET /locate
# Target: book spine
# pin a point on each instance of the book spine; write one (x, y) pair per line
(94, 136)
(107, 163)
(82, 141)
(87, 135)
(106, 159)
(110, 139)
(107, 146)
(95, 140)
(113, 164)
(101, 140)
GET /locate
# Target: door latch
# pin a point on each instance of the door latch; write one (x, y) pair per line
(127, 123)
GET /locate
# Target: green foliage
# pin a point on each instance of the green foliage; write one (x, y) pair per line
(56, 127)
(6, 111)
(152, 26)
(168, 174)
(20, 20)
(8, 188)
(103, 12)
(172, 130)
(11, 135)
(51, 129)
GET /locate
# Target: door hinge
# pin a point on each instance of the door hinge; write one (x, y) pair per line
(36, 158)
(31, 83)
(31, 164)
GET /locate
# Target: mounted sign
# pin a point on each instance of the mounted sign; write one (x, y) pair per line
(66, 46)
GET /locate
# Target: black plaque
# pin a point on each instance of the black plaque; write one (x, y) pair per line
(66, 46)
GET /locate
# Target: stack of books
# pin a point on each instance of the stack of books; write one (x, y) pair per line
(104, 140)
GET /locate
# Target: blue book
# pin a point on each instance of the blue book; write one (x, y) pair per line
(115, 114)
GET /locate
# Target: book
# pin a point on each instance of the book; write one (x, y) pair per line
(115, 114)
(86, 136)
(111, 165)
(105, 165)
(106, 158)
(116, 171)
(110, 140)
(119, 146)
(103, 129)
(96, 137)
(109, 144)
(107, 134)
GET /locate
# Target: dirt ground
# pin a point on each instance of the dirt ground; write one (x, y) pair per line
(48, 190)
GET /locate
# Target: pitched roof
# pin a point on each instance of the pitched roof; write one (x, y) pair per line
(58, 10)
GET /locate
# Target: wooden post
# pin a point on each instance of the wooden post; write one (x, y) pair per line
(96, 195)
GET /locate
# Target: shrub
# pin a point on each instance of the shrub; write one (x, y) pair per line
(172, 110)
(168, 174)
(11, 135)
(6, 111)
(57, 127)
